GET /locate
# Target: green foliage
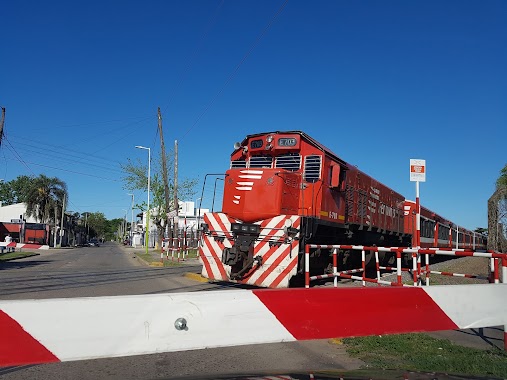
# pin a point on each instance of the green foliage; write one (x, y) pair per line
(97, 222)
(112, 227)
(481, 230)
(15, 191)
(501, 182)
(420, 352)
(136, 178)
(44, 198)
(43, 195)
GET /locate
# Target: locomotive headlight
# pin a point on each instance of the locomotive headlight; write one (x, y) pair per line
(269, 139)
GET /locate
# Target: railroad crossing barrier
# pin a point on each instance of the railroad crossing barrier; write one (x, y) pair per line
(178, 249)
(53, 330)
(495, 259)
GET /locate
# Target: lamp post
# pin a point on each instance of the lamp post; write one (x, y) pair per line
(124, 226)
(132, 221)
(198, 209)
(146, 238)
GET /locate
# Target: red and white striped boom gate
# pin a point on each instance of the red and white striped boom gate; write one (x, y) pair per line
(53, 330)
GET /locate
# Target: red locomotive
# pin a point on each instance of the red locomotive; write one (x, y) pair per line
(284, 190)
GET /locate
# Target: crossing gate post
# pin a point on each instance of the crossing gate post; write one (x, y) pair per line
(335, 267)
(307, 266)
(398, 266)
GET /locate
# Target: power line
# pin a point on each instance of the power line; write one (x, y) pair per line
(11, 148)
(91, 123)
(69, 171)
(193, 56)
(235, 71)
(62, 156)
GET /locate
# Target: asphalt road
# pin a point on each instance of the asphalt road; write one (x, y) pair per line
(89, 272)
(110, 270)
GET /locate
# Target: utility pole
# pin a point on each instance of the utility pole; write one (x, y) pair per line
(2, 125)
(63, 216)
(176, 205)
(164, 168)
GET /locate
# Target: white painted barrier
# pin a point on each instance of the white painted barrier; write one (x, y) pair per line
(41, 331)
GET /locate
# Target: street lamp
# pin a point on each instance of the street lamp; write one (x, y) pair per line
(198, 217)
(124, 226)
(132, 221)
(146, 239)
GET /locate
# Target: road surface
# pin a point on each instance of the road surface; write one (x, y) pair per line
(110, 270)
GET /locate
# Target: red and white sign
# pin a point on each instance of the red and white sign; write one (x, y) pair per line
(66, 329)
(417, 170)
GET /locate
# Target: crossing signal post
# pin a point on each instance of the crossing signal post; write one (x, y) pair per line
(417, 174)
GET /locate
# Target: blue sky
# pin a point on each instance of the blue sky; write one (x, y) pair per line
(378, 82)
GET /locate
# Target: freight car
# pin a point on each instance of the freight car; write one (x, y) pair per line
(284, 190)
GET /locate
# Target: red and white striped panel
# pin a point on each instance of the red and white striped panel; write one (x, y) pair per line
(31, 246)
(42, 331)
(279, 262)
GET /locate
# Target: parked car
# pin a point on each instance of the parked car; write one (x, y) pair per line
(93, 243)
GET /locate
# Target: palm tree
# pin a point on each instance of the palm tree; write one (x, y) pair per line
(44, 196)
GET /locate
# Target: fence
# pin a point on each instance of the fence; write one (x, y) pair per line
(417, 271)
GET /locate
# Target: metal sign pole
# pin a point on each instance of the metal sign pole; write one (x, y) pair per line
(417, 174)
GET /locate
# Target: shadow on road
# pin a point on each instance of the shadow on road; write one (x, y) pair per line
(63, 279)
(18, 264)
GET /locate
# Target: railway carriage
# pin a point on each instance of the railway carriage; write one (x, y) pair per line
(284, 190)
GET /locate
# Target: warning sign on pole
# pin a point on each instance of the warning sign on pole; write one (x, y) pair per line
(417, 170)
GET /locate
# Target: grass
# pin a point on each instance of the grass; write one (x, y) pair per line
(420, 352)
(154, 257)
(16, 255)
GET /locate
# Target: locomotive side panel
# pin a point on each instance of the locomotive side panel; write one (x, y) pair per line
(372, 205)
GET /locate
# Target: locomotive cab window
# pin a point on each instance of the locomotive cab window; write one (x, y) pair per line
(313, 166)
(334, 176)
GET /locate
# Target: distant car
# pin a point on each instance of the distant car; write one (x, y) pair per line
(93, 243)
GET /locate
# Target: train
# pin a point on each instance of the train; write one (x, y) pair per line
(283, 190)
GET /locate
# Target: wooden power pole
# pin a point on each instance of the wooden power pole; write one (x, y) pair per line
(2, 125)
(164, 168)
(176, 205)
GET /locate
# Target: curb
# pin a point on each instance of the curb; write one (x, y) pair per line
(195, 277)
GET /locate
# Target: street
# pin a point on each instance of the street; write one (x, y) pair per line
(89, 272)
(109, 270)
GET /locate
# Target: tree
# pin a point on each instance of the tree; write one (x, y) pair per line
(43, 196)
(15, 190)
(497, 214)
(481, 230)
(98, 224)
(136, 178)
(501, 182)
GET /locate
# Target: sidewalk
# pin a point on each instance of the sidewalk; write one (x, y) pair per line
(156, 259)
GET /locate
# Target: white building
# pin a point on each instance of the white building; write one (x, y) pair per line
(188, 219)
(15, 213)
